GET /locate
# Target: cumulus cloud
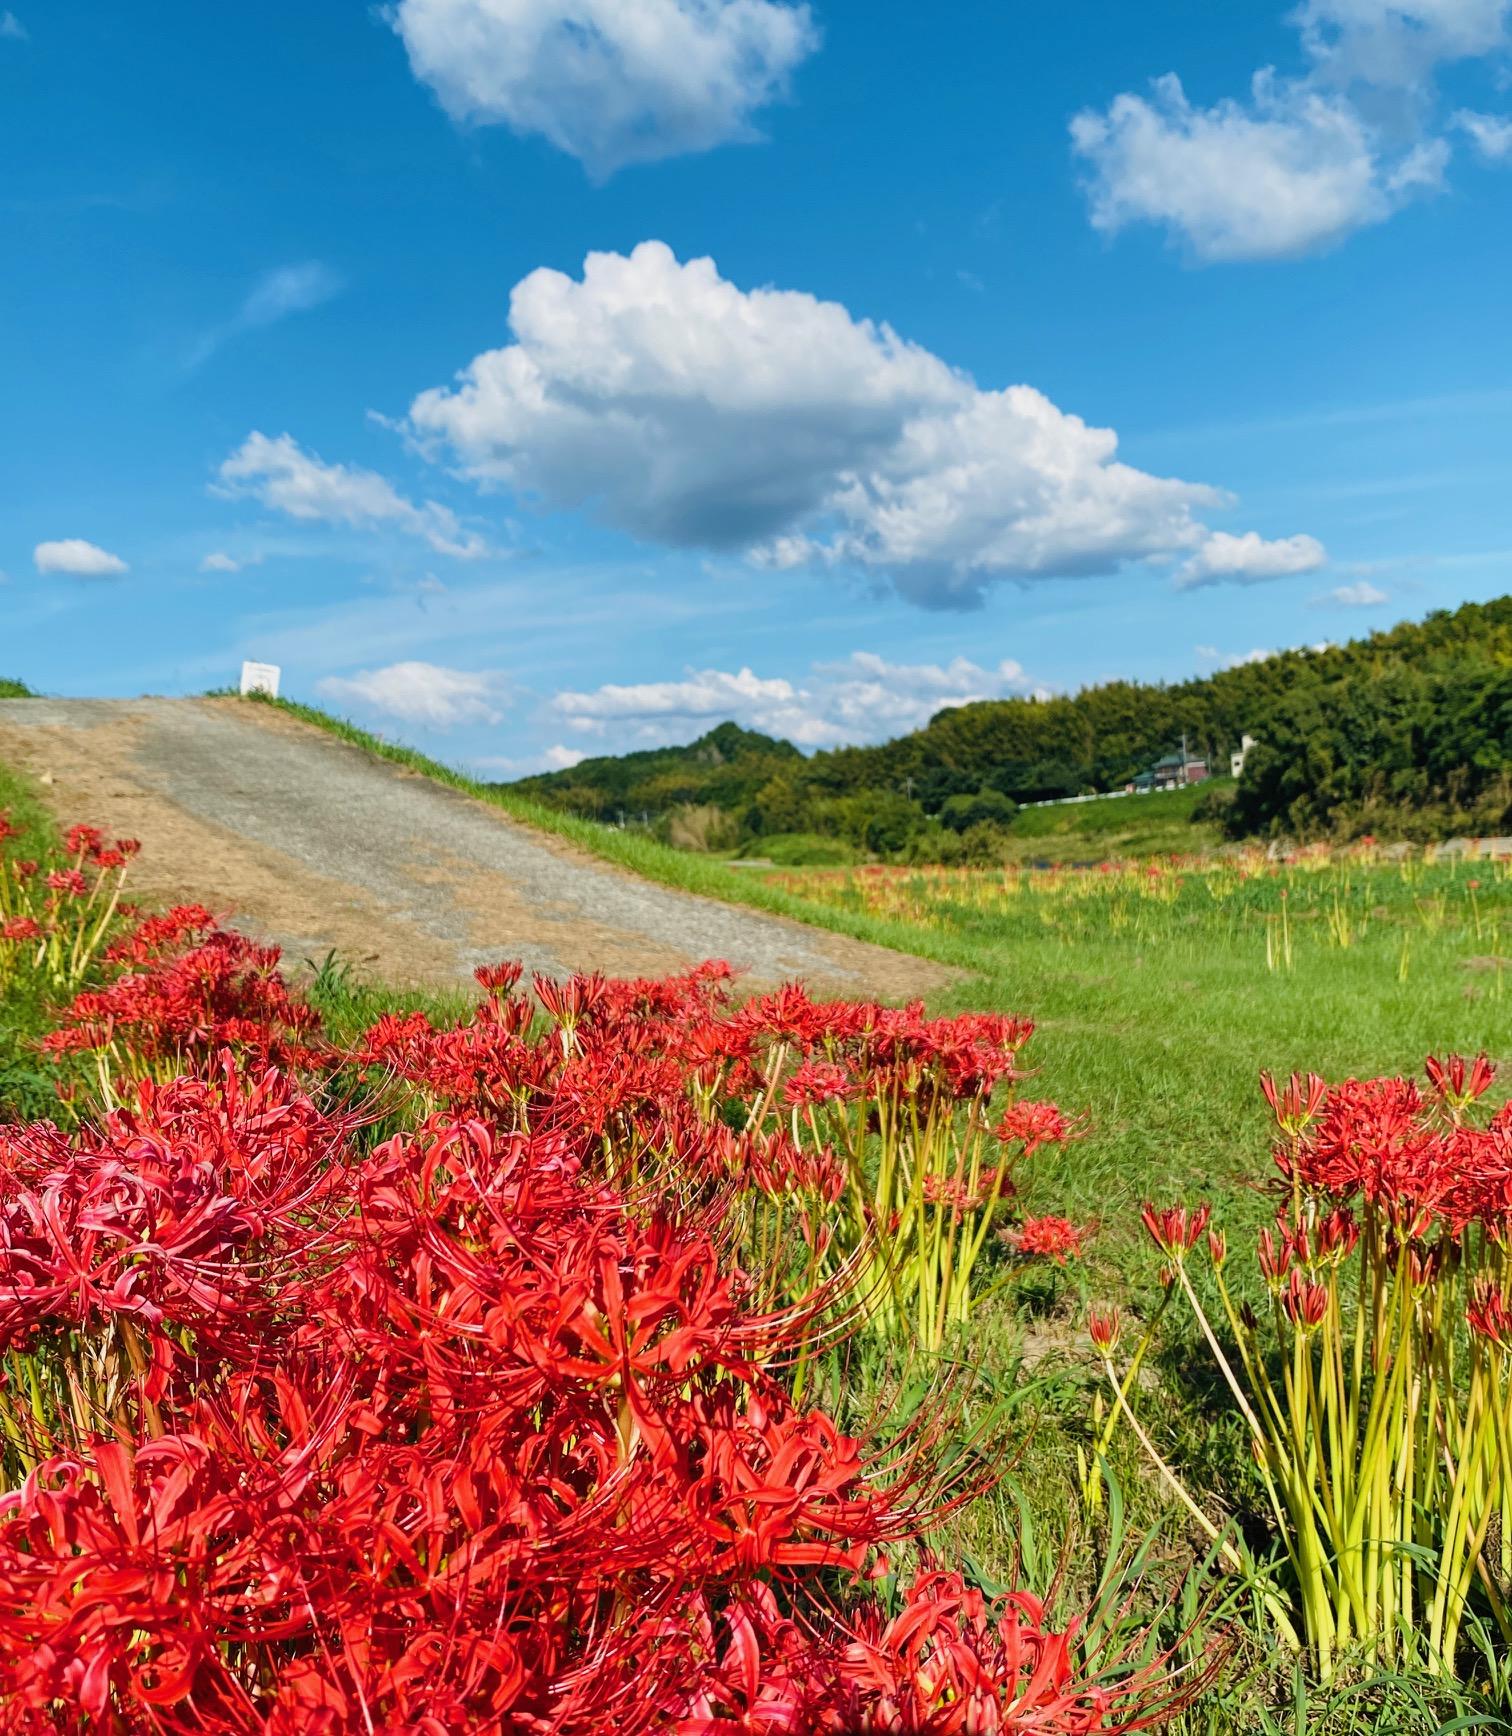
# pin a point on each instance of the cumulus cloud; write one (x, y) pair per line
(1302, 162)
(275, 296)
(73, 555)
(422, 693)
(1280, 176)
(1490, 134)
(283, 476)
(1249, 559)
(561, 758)
(610, 82)
(1362, 595)
(220, 562)
(1292, 170)
(691, 413)
(862, 698)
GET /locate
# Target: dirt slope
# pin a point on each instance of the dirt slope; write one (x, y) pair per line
(318, 845)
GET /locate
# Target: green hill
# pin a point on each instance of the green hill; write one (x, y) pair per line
(694, 790)
(1406, 732)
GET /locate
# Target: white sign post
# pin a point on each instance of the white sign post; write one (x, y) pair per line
(260, 678)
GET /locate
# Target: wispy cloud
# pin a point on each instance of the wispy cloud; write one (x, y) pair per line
(12, 29)
(287, 479)
(276, 296)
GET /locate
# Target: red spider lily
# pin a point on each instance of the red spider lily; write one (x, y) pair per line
(499, 979)
(1275, 1262)
(1457, 1083)
(818, 1082)
(1490, 1314)
(1035, 1124)
(951, 1662)
(1105, 1329)
(645, 1075)
(1047, 1238)
(1295, 1104)
(1175, 1230)
(1304, 1299)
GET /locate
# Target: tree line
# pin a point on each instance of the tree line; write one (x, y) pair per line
(1406, 732)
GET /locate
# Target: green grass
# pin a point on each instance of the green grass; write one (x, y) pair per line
(26, 1088)
(801, 850)
(1160, 824)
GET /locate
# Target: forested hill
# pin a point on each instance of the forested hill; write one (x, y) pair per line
(721, 769)
(1413, 726)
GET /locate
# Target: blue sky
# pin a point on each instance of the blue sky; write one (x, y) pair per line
(531, 378)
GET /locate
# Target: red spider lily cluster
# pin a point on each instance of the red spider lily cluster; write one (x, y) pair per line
(54, 921)
(861, 1139)
(179, 990)
(444, 1433)
(495, 1422)
(1378, 1392)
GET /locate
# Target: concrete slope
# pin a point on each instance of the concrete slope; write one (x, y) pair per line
(316, 845)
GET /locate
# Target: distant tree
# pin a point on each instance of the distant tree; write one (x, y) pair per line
(983, 807)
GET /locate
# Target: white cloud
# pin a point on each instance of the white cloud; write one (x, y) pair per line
(1293, 170)
(220, 562)
(560, 758)
(422, 693)
(1249, 559)
(1397, 44)
(275, 296)
(1304, 161)
(1490, 134)
(1361, 595)
(863, 698)
(610, 82)
(74, 555)
(12, 29)
(689, 412)
(280, 474)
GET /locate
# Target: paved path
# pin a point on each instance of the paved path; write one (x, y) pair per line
(317, 845)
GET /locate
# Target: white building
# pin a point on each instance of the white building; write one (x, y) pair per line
(1236, 759)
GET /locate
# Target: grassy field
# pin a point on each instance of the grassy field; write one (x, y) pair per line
(1163, 823)
(1160, 994)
